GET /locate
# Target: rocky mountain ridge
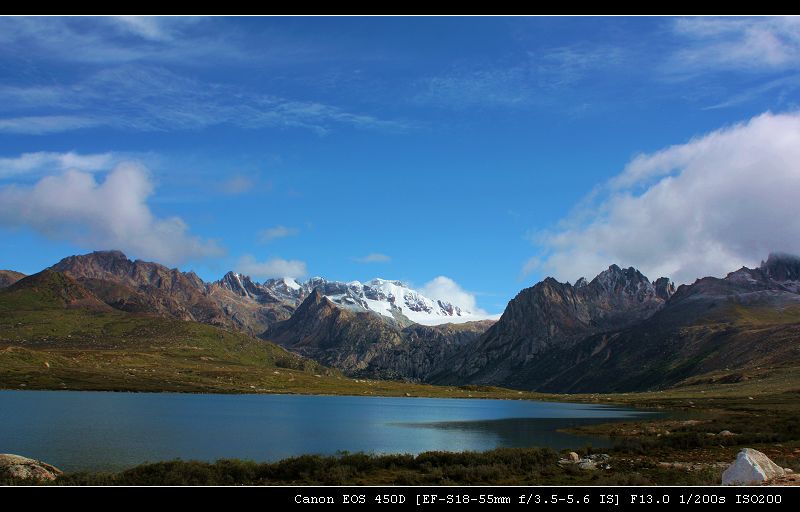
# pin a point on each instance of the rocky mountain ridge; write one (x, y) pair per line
(623, 336)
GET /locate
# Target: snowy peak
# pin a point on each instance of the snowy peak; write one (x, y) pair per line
(394, 300)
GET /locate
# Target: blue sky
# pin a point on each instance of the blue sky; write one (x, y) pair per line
(493, 151)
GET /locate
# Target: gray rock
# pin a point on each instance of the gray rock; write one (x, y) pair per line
(751, 467)
(726, 433)
(23, 468)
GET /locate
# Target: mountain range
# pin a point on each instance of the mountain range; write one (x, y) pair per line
(618, 332)
(236, 301)
(621, 333)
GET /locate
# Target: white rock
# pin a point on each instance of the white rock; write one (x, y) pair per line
(751, 467)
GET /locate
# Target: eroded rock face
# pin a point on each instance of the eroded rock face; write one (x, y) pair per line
(751, 467)
(364, 344)
(23, 468)
(554, 316)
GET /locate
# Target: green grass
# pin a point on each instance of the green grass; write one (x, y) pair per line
(503, 466)
(77, 349)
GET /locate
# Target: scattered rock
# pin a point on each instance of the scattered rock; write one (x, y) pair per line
(46, 364)
(726, 433)
(23, 468)
(751, 467)
(408, 394)
(589, 463)
(788, 480)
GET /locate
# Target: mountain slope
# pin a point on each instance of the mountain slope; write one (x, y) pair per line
(9, 277)
(333, 335)
(555, 315)
(140, 286)
(46, 290)
(363, 343)
(252, 307)
(713, 329)
(146, 287)
(55, 333)
(423, 350)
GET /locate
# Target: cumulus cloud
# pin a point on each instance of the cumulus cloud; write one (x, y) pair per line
(275, 267)
(374, 257)
(445, 289)
(112, 213)
(705, 207)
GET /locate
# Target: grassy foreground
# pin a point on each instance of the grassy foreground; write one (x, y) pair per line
(684, 448)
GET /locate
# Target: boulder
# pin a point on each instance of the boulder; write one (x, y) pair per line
(573, 457)
(23, 468)
(751, 467)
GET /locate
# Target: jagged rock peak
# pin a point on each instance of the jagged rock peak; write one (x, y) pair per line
(664, 288)
(580, 283)
(112, 253)
(619, 281)
(782, 267)
(240, 284)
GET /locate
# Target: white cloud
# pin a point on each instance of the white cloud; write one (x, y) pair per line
(113, 213)
(742, 44)
(270, 234)
(275, 267)
(445, 289)
(45, 162)
(706, 207)
(374, 257)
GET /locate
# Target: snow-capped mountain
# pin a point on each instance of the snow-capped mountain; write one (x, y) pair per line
(392, 299)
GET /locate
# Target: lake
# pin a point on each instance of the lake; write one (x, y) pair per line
(82, 430)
